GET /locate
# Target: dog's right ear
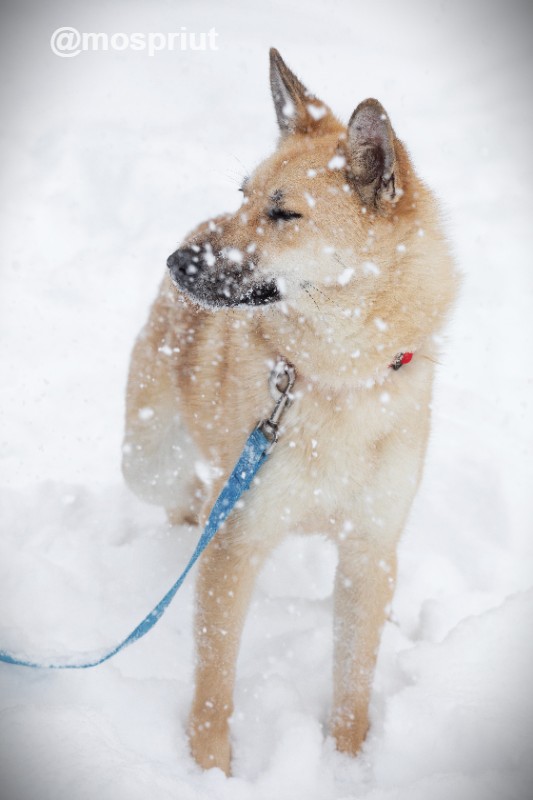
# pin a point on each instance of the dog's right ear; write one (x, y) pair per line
(297, 110)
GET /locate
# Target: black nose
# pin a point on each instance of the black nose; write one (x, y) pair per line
(184, 265)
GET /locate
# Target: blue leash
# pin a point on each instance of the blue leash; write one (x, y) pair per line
(256, 450)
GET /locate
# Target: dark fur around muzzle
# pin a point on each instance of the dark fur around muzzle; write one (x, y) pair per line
(227, 285)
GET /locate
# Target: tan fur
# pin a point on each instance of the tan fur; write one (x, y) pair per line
(353, 442)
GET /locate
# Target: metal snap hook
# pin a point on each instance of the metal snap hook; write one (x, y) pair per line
(281, 380)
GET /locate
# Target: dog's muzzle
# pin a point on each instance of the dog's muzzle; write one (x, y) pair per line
(219, 286)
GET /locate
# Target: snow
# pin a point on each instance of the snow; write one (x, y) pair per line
(337, 162)
(108, 159)
(317, 112)
(345, 276)
(380, 324)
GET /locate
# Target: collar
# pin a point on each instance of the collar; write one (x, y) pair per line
(283, 370)
(400, 359)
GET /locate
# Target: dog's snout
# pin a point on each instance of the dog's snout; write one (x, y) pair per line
(181, 260)
(184, 265)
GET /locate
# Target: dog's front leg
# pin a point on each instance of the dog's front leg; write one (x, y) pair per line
(363, 591)
(226, 579)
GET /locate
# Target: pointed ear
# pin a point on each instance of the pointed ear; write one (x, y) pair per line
(371, 154)
(297, 110)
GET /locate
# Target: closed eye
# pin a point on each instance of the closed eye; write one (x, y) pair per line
(282, 213)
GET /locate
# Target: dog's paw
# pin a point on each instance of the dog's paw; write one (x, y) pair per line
(349, 733)
(210, 744)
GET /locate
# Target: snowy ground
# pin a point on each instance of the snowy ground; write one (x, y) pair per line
(107, 160)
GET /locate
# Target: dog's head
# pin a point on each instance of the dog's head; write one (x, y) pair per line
(333, 233)
(302, 222)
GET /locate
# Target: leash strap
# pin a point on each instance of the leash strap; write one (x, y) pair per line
(256, 450)
(258, 447)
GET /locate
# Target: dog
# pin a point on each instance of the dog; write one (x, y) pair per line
(335, 262)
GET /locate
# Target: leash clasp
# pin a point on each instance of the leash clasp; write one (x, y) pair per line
(281, 380)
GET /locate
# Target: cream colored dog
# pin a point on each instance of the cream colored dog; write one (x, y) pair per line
(335, 261)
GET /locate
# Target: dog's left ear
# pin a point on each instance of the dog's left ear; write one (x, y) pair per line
(372, 158)
(297, 110)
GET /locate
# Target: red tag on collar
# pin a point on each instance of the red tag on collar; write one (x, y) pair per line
(400, 359)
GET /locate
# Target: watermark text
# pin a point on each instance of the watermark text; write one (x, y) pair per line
(69, 42)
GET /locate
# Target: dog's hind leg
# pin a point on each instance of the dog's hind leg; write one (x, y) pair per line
(159, 457)
(158, 462)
